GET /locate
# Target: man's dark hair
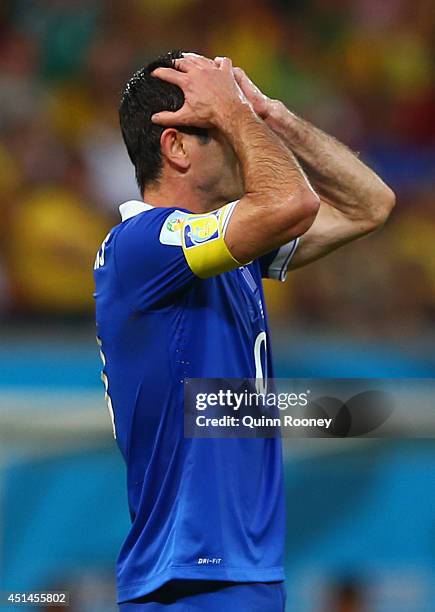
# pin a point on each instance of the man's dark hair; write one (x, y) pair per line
(143, 96)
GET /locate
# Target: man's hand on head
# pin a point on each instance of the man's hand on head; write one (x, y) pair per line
(212, 94)
(262, 104)
(199, 60)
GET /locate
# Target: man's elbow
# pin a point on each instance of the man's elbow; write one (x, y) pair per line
(383, 204)
(309, 205)
(294, 214)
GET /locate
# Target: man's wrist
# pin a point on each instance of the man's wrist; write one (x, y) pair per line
(232, 115)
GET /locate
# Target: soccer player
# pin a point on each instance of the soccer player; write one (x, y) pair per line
(179, 295)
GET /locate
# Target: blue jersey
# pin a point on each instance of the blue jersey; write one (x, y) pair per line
(206, 509)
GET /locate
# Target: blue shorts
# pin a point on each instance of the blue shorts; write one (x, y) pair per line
(211, 596)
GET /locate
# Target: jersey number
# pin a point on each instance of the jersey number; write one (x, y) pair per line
(260, 377)
(106, 388)
(99, 260)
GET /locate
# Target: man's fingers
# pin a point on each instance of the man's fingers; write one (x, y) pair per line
(168, 119)
(242, 78)
(225, 63)
(239, 75)
(198, 60)
(189, 61)
(170, 75)
(184, 64)
(245, 83)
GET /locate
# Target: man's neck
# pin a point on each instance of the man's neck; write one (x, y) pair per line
(181, 197)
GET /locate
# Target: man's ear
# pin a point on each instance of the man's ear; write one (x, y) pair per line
(174, 150)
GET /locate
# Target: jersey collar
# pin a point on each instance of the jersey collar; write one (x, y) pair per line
(132, 208)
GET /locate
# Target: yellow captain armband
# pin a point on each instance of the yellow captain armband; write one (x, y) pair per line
(202, 239)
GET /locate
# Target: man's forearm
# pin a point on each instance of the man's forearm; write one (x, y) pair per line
(278, 202)
(338, 176)
(268, 165)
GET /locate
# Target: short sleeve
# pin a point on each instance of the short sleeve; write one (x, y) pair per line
(275, 264)
(150, 264)
(161, 252)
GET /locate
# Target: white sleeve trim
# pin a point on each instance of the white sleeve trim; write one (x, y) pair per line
(228, 211)
(279, 265)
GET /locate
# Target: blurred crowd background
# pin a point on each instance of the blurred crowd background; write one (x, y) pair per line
(363, 70)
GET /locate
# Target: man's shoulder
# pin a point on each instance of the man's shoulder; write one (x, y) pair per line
(157, 225)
